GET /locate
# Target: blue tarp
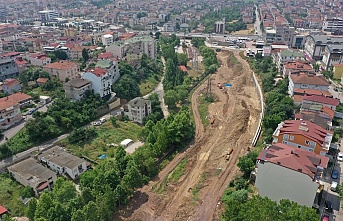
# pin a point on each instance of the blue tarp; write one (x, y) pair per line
(228, 85)
(103, 156)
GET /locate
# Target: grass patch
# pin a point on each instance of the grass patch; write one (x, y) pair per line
(149, 84)
(105, 134)
(196, 189)
(9, 195)
(178, 172)
(19, 142)
(204, 101)
(192, 71)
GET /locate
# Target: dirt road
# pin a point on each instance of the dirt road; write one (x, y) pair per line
(195, 195)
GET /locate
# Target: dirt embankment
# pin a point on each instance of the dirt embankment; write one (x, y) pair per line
(196, 194)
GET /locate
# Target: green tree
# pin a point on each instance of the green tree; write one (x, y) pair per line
(85, 55)
(27, 192)
(170, 99)
(182, 59)
(63, 191)
(246, 165)
(31, 209)
(43, 205)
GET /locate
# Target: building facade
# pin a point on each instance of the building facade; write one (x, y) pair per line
(333, 24)
(101, 81)
(8, 69)
(137, 109)
(63, 70)
(314, 47)
(307, 81)
(75, 89)
(333, 55)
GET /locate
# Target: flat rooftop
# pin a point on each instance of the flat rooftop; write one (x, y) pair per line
(61, 158)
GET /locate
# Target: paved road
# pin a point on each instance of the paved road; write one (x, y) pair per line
(336, 94)
(257, 24)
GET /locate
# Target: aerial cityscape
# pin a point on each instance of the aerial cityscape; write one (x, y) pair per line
(200, 110)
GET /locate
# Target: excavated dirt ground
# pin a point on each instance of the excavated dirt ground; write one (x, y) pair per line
(196, 195)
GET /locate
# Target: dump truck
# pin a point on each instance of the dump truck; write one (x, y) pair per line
(229, 152)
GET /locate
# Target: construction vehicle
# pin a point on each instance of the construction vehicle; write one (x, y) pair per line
(220, 86)
(229, 152)
(212, 120)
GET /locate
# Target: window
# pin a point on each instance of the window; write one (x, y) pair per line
(307, 142)
(285, 137)
(313, 144)
(291, 137)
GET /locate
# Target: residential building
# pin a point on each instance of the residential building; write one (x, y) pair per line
(8, 69)
(112, 67)
(296, 66)
(9, 113)
(285, 172)
(48, 15)
(63, 70)
(137, 109)
(21, 98)
(11, 86)
(304, 135)
(333, 24)
(318, 117)
(31, 173)
(329, 102)
(287, 55)
(41, 81)
(132, 49)
(281, 33)
(38, 59)
(62, 162)
(101, 81)
(314, 47)
(75, 89)
(169, 27)
(307, 81)
(333, 54)
(219, 27)
(21, 64)
(107, 39)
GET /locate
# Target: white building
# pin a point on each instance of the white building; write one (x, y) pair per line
(333, 23)
(107, 39)
(307, 81)
(169, 27)
(219, 27)
(315, 45)
(63, 163)
(111, 65)
(285, 172)
(138, 108)
(287, 55)
(333, 54)
(48, 15)
(101, 81)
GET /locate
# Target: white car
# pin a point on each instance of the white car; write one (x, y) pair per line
(103, 120)
(97, 123)
(340, 156)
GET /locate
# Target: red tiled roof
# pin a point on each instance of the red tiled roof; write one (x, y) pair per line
(61, 65)
(21, 61)
(42, 80)
(321, 99)
(298, 65)
(10, 54)
(183, 68)
(298, 98)
(98, 71)
(17, 97)
(105, 55)
(11, 82)
(5, 103)
(328, 111)
(42, 186)
(306, 128)
(312, 92)
(3, 210)
(296, 159)
(303, 78)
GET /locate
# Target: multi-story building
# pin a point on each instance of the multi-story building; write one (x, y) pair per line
(295, 174)
(11, 86)
(329, 102)
(63, 70)
(38, 59)
(133, 48)
(333, 54)
(169, 27)
(307, 81)
(48, 15)
(137, 109)
(287, 55)
(111, 65)
(304, 135)
(280, 33)
(62, 162)
(9, 113)
(296, 66)
(333, 24)
(101, 81)
(107, 39)
(219, 27)
(314, 47)
(8, 69)
(75, 89)
(31, 173)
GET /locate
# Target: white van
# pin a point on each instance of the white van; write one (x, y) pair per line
(333, 186)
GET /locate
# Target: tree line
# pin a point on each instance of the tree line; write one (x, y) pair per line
(112, 183)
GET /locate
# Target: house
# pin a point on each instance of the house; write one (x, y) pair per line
(62, 162)
(183, 68)
(307, 81)
(21, 98)
(318, 109)
(63, 70)
(137, 109)
(21, 64)
(101, 81)
(285, 172)
(75, 89)
(8, 69)
(304, 135)
(297, 66)
(315, 118)
(39, 59)
(287, 55)
(9, 113)
(333, 55)
(31, 173)
(41, 81)
(329, 102)
(112, 67)
(3, 211)
(11, 85)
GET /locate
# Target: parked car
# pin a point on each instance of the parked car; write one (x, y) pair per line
(102, 120)
(333, 186)
(328, 206)
(334, 174)
(340, 156)
(97, 123)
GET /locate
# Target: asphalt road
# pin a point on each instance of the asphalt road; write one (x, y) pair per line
(257, 24)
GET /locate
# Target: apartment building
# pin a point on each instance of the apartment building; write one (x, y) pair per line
(307, 81)
(137, 109)
(295, 174)
(112, 67)
(281, 32)
(133, 48)
(219, 27)
(63, 70)
(296, 66)
(169, 27)
(75, 89)
(107, 39)
(329, 102)
(315, 45)
(38, 59)
(8, 69)
(333, 23)
(48, 15)
(287, 55)
(303, 135)
(333, 55)
(101, 81)
(11, 86)
(9, 113)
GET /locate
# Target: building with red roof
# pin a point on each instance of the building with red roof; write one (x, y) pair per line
(63, 70)
(307, 81)
(101, 81)
(3, 211)
(285, 172)
(303, 134)
(21, 63)
(297, 66)
(329, 102)
(183, 68)
(9, 113)
(11, 85)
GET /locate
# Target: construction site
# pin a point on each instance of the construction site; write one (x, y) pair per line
(208, 168)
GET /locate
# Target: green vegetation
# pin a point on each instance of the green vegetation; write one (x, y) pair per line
(148, 85)
(204, 101)
(10, 195)
(178, 172)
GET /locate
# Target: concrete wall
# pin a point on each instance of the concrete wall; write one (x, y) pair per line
(277, 183)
